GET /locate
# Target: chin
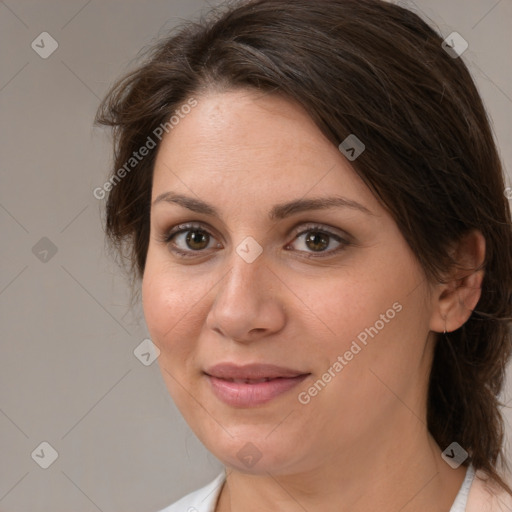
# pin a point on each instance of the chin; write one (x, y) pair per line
(253, 451)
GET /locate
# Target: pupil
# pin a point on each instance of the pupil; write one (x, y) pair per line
(197, 237)
(318, 241)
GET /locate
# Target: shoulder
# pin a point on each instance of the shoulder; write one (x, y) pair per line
(202, 500)
(487, 496)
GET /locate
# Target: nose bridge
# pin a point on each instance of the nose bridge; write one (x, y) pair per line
(243, 303)
(247, 272)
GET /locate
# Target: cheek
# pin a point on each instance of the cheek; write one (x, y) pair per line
(169, 308)
(376, 320)
(346, 309)
(382, 332)
(169, 313)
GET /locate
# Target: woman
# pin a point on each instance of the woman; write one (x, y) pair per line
(312, 198)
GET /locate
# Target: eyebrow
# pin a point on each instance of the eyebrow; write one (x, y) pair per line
(278, 211)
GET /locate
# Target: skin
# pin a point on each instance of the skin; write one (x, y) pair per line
(361, 443)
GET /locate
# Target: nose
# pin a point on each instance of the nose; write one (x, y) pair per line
(247, 305)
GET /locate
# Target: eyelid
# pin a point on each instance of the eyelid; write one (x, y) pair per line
(317, 226)
(340, 236)
(167, 235)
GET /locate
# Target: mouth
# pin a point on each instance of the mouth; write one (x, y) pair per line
(251, 385)
(249, 381)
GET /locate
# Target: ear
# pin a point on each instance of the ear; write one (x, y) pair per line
(456, 298)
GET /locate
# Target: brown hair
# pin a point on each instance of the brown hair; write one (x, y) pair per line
(376, 70)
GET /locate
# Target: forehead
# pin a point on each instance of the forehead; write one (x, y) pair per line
(248, 142)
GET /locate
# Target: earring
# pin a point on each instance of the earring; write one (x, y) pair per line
(444, 332)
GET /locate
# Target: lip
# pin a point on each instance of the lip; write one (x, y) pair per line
(253, 384)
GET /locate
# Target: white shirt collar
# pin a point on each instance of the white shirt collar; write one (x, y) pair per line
(202, 500)
(461, 500)
(205, 499)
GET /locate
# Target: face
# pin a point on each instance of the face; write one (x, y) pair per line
(289, 310)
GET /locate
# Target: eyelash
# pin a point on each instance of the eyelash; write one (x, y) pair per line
(167, 237)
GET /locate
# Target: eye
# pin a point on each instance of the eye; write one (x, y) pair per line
(318, 239)
(187, 239)
(190, 240)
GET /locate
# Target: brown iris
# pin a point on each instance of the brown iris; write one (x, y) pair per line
(317, 241)
(197, 240)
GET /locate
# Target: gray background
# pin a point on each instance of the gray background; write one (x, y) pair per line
(68, 374)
